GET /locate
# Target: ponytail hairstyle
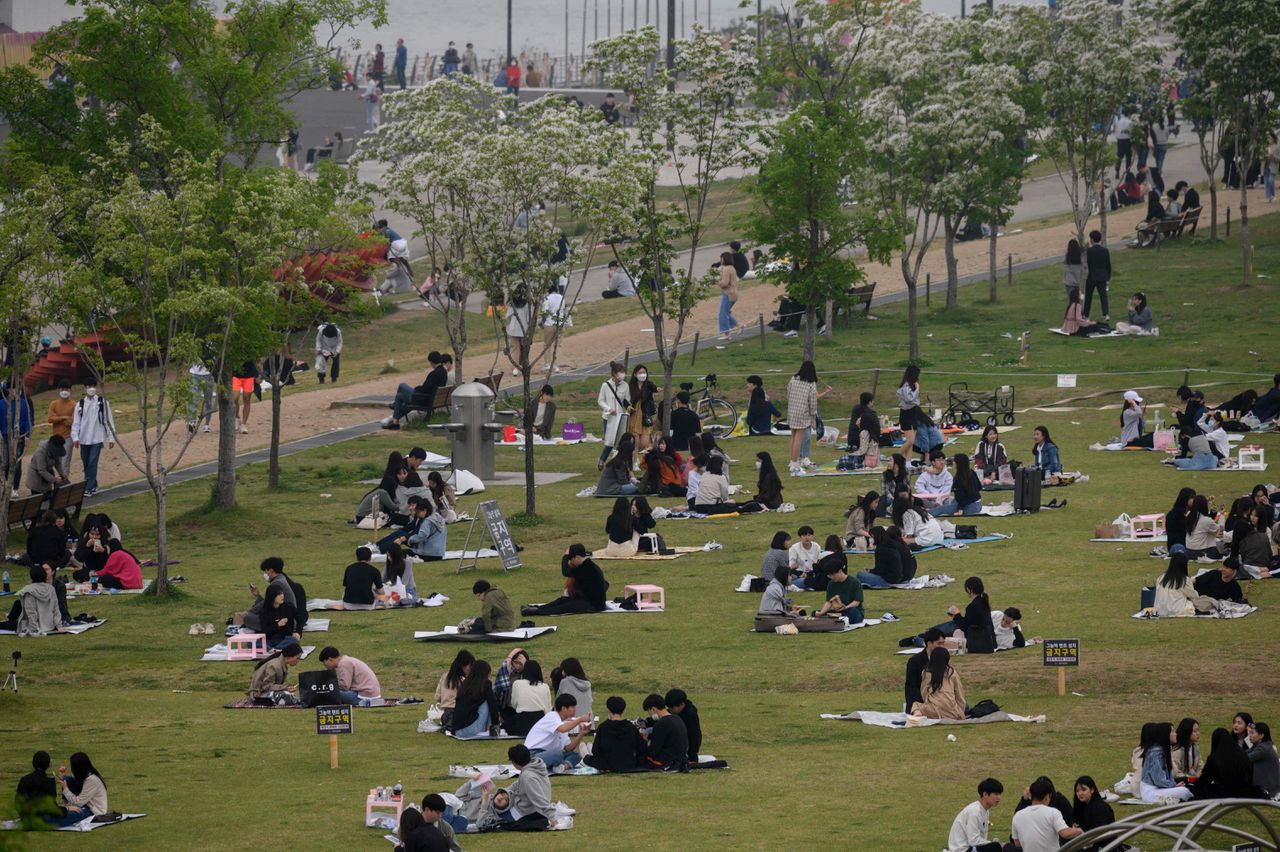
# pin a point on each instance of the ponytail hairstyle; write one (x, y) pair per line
(974, 584)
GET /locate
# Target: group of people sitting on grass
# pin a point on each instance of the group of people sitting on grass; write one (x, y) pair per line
(806, 566)
(1168, 764)
(1043, 820)
(355, 681)
(92, 553)
(64, 799)
(1248, 533)
(389, 503)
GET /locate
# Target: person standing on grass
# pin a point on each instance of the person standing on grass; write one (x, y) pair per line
(92, 425)
(16, 415)
(728, 294)
(971, 829)
(802, 414)
(614, 401)
(1099, 275)
(910, 414)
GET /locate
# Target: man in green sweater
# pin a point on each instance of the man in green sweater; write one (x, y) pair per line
(844, 596)
(495, 609)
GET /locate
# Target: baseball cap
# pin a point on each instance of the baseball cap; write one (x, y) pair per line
(579, 550)
(1132, 396)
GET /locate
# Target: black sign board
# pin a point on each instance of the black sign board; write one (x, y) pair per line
(1062, 652)
(335, 719)
(500, 534)
(1247, 847)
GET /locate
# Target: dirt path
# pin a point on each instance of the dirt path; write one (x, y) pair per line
(310, 413)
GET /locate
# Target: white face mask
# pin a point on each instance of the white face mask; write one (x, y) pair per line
(642, 377)
(759, 465)
(91, 392)
(64, 394)
(266, 576)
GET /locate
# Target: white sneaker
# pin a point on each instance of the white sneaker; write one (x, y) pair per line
(804, 463)
(206, 428)
(745, 585)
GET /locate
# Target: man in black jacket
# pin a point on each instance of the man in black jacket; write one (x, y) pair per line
(741, 266)
(668, 738)
(680, 705)
(618, 746)
(587, 593)
(916, 665)
(1099, 259)
(424, 395)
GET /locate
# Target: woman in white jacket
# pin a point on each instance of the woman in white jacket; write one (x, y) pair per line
(1176, 597)
(328, 351)
(615, 405)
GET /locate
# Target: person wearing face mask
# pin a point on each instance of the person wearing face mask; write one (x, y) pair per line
(642, 393)
(614, 401)
(92, 425)
(277, 584)
(62, 411)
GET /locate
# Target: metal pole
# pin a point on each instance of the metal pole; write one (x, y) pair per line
(608, 19)
(595, 36)
(509, 53)
(875, 381)
(1009, 280)
(693, 357)
(584, 30)
(759, 24)
(962, 10)
(626, 360)
(1228, 221)
(928, 286)
(762, 332)
(565, 76)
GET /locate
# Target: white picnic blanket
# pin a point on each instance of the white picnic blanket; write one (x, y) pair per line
(924, 581)
(999, 510)
(1159, 539)
(903, 720)
(485, 553)
(1229, 610)
(218, 654)
(314, 604)
(69, 630)
(451, 633)
(316, 625)
(866, 622)
(86, 824)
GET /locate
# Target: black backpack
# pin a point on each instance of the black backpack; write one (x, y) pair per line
(317, 689)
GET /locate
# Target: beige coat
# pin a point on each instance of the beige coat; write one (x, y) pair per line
(729, 282)
(946, 703)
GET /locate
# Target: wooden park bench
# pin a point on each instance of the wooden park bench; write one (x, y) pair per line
(1171, 229)
(445, 394)
(69, 497)
(859, 297)
(25, 511)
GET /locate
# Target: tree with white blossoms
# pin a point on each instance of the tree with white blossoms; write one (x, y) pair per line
(1235, 47)
(696, 132)
(514, 177)
(814, 64)
(938, 150)
(1089, 66)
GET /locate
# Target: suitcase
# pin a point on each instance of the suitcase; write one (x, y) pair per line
(1026, 489)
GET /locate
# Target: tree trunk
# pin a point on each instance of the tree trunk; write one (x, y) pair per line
(1247, 250)
(810, 332)
(273, 466)
(1102, 223)
(993, 270)
(831, 318)
(160, 491)
(913, 336)
(668, 370)
(530, 503)
(949, 229)
(224, 493)
(1213, 209)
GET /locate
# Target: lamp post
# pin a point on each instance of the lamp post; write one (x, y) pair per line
(509, 53)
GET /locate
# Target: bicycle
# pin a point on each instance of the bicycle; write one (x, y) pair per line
(718, 415)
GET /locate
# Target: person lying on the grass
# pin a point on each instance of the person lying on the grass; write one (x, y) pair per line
(1202, 454)
(41, 607)
(802, 556)
(475, 710)
(942, 695)
(919, 528)
(894, 482)
(895, 563)
(990, 458)
(1176, 596)
(844, 594)
(270, 677)
(584, 588)
(431, 538)
(1007, 624)
(972, 629)
(777, 556)
(1075, 323)
(496, 612)
(833, 557)
(1046, 455)
(618, 745)
(668, 738)
(279, 620)
(971, 829)
(362, 587)
(1221, 584)
(554, 739)
(1239, 405)
(861, 519)
(356, 681)
(933, 485)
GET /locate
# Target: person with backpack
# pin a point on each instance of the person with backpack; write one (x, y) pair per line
(91, 426)
(328, 350)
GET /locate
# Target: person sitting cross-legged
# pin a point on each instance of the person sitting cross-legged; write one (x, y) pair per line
(844, 596)
(549, 739)
(357, 684)
(971, 829)
(618, 745)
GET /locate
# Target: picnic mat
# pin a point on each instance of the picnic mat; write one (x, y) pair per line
(903, 720)
(868, 622)
(1231, 468)
(1152, 333)
(918, 649)
(86, 824)
(501, 736)
(949, 544)
(1233, 611)
(506, 771)
(484, 553)
(218, 654)
(316, 625)
(1158, 539)
(247, 704)
(924, 581)
(651, 557)
(101, 591)
(451, 634)
(436, 599)
(610, 608)
(69, 630)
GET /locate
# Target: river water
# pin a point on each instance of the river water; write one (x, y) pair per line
(545, 25)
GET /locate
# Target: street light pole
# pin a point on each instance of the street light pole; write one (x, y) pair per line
(509, 54)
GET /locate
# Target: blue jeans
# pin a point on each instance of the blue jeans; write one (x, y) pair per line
(726, 314)
(452, 817)
(349, 696)
(1177, 548)
(89, 458)
(947, 628)
(951, 507)
(554, 757)
(629, 488)
(854, 616)
(1161, 151)
(1200, 461)
(805, 441)
(369, 112)
(479, 726)
(404, 399)
(280, 641)
(872, 581)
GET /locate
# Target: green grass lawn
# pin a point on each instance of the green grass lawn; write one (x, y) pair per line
(134, 696)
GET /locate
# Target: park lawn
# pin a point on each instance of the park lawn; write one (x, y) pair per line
(133, 695)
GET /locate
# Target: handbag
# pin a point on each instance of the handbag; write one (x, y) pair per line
(318, 688)
(572, 431)
(985, 707)
(653, 543)
(967, 531)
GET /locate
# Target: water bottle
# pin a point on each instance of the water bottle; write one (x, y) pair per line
(93, 580)
(397, 791)
(6, 581)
